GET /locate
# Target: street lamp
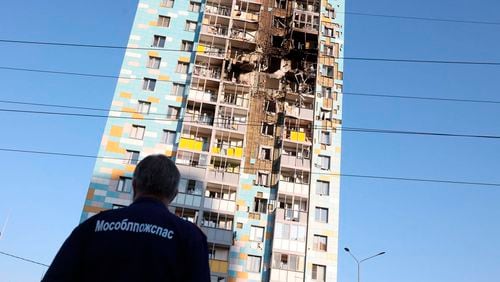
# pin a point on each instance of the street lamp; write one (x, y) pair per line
(358, 262)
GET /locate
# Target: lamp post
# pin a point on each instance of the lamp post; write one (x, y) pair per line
(358, 262)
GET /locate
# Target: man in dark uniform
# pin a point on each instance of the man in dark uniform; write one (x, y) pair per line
(142, 242)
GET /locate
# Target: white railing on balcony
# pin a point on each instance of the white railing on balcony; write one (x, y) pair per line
(222, 177)
(218, 10)
(214, 30)
(188, 200)
(199, 118)
(219, 205)
(302, 113)
(210, 51)
(207, 72)
(224, 122)
(293, 161)
(199, 95)
(294, 188)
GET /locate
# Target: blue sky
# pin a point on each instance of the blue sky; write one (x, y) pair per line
(431, 232)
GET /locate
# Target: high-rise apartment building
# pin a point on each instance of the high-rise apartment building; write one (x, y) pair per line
(245, 96)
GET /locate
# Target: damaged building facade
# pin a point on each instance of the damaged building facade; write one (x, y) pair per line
(245, 95)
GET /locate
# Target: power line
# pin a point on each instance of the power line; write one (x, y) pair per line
(348, 129)
(381, 177)
(23, 259)
(394, 60)
(364, 94)
(420, 18)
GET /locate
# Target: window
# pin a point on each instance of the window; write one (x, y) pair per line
(186, 45)
(132, 157)
(328, 50)
(178, 89)
(327, 71)
(260, 205)
(265, 153)
(137, 132)
(281, 4)
(322, 188)
(326, 138)
(319, 243)
(330, 13)
(143, 107)
(124, 185)
(318, 272)
(173, 112)
(262, 179)
(324, 162)
(270, 106)
(182, 67)
(191, 186)
(321, 215)
(325, 114)
(168, 137)
(167, 3)
(159, 41)
(288, 262)
(267, 129)
(253, 263)
(163, 21)
(149, 84)
(326, 92)
(153, 62)
(194, 6)
(257, 233)
(190, 26)
(328, 31)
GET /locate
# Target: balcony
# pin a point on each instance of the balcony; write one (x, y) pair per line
(193, 145)
(236, 152)
(188, 200)
(302, 113)
(218, 236)
(220, 176)
(245, 35)
(294, 188)
(245, 16)
(204, 96)
(291, 215)
(219, 205)
(218, 266)
(210, 51)
(218, 10)
(306, 21)
(231, 124)
(295, 162)
(209, 72)
(214, 30)
(298, 136)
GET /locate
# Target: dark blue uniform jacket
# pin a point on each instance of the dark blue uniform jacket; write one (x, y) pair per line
(142, 242)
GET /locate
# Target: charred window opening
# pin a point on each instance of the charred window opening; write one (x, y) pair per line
(277, 41)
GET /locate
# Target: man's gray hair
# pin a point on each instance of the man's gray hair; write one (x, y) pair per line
(157, 175)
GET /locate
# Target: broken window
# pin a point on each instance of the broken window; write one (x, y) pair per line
(265, 153)
(260, 205)
(267, 129)
(270, 106)
(327, 71)
(281, 4)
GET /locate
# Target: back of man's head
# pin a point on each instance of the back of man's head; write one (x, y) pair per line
(156, 175)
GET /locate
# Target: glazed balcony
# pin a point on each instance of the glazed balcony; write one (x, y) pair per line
(292, 188)
(296, 162)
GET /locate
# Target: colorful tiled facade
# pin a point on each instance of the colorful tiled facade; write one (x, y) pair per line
(245, 96)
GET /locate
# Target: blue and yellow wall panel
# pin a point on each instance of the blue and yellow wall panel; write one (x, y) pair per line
(102, 190)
